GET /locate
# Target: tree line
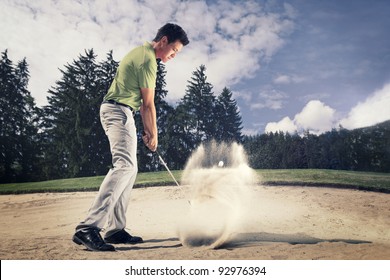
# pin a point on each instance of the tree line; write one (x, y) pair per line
(363, 149)
(65, 139)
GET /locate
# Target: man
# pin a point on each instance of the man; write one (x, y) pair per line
(132, 89)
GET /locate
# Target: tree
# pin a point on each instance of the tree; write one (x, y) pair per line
(8, 135)
(196, 110)
(18, 132)
(228, 118)
(73, 130)
(30, 147)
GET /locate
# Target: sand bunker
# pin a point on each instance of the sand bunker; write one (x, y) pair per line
(283, 223)
(226, 212)
(220, 181)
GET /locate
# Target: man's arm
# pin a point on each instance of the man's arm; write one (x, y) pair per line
(148, 114)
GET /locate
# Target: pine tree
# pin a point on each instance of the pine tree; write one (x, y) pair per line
(180, 142)
(29, 138)
(8, 112)
(18, 133)
(228, 118)
(197, 109)
(73, 128)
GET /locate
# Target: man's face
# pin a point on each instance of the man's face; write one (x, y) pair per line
(168, 51)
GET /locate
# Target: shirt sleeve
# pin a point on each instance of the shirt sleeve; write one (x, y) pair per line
(148, 75)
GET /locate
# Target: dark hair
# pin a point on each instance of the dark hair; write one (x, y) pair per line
(173, 32)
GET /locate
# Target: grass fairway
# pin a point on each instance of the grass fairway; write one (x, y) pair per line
(370, 181)
(300, 177)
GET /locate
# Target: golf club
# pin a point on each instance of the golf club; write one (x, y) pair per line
(166, 167)
(169, 171)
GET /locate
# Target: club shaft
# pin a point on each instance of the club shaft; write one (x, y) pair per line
(166, 167)
(170, 173)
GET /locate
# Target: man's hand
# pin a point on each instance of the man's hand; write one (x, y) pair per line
(150, 141)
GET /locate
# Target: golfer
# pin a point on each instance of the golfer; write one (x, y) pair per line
(132, 89)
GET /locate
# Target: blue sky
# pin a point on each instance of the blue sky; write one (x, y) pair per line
(292, 65)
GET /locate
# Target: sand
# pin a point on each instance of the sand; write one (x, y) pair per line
(278, 223)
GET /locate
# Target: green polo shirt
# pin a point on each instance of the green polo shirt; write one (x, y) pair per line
(138, 69)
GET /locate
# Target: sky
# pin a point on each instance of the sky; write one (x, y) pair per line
(293, 65)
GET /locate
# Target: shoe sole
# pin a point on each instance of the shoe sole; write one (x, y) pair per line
(78, 241)
(115, 242)
(131, 243)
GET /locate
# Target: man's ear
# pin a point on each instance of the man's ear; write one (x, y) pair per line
(164, 40)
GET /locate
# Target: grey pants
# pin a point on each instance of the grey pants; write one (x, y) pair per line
(110, 205)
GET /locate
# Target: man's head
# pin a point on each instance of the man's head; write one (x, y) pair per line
(169, 40)
(173, 32)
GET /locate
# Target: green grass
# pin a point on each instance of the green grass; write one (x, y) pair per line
(85, 183)
(370, 181)
(300, 177)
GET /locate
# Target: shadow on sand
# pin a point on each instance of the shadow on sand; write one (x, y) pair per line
(145, 245)
(248, 239)
(238, 241)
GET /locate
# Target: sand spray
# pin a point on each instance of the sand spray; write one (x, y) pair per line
(220, 183)
(229, 205)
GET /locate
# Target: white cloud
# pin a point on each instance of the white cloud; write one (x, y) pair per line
(268, 98)
(244, 95)
(285, 125)
(315, 117)
(230, 38)
(373, 110)
(53, 33)
(224, 41)
(287, 79)
(282, 79)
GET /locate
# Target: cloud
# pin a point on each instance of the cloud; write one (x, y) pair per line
(231, 38)
(373, 110)
(52, 33)
(285, 125)
(224, 41)
(268, 98)
(282, 79)
(288, 79)
(316, 117)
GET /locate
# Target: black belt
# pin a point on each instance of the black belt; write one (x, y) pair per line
(110, 101)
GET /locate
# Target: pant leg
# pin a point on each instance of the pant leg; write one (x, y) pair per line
(111, 202)
(117, 218)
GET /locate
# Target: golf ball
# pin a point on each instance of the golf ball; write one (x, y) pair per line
(220, 164)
